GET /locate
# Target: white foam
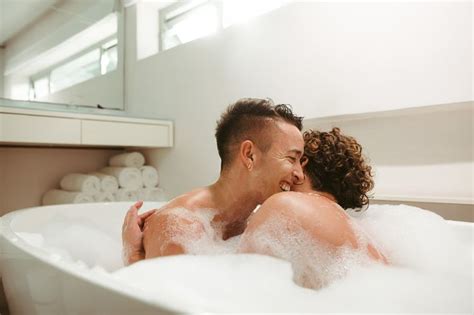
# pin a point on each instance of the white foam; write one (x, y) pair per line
(430, 271)
(81, 241)
(255, 283)
(210, 241)
(416, 238)
(315, 263)
(214, 283)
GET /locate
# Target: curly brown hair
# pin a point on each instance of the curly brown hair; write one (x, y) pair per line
(335, 165)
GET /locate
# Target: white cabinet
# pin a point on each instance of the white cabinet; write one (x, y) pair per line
(39, 130)
(108, 133)
(25, 126)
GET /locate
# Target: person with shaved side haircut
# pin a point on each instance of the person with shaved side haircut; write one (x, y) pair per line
(260, 145)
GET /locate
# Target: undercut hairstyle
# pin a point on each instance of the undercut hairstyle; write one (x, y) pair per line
(336, 166)
(250, 119)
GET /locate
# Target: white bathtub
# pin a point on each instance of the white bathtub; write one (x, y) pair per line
(36, 282)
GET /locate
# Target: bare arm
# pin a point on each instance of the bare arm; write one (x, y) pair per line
(169, 231)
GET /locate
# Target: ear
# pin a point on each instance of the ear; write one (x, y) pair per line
(304, 160)
(247, 154)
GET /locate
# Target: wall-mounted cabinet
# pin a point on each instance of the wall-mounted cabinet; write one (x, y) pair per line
(95, 132)
(37, 127)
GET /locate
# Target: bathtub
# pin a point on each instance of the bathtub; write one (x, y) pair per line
(38, 282)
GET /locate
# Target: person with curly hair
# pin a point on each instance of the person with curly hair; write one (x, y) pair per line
(308, 226)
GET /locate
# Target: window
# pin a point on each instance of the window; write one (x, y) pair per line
(109, 57)
(99, 60)
(76, 71)
(185, 21)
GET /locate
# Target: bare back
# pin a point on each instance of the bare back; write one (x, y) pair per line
(310, 231)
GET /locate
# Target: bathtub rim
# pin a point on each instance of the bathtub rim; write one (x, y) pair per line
(102, 280)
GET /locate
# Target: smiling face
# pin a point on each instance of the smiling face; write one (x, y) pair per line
(279, 168)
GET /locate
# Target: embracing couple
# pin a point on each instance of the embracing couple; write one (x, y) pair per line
(302, 182)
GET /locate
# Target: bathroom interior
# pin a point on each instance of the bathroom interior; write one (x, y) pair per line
(82, 81)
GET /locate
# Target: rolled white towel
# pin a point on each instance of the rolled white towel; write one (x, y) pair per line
(80, 182)
(151, 194)
(124, 194)
(128, 177)
(57, 196)
(149, 176)
(108, 183)
(130, 159)
(105, 196)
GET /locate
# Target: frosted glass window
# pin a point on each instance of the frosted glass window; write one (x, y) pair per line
(109, 58)
(188, 20)
(76, 71)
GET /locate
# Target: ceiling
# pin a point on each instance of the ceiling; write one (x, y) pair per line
(17, 14)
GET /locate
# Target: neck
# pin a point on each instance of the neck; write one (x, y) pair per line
(308, 189)
(234, 202)
(325, 194)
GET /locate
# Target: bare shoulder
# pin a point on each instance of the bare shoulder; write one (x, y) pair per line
(193, 200)
(288, 200)
(283, 197)
(301, 202)
(284, 203)
(180, 213)
(320, 216)
(167, 231)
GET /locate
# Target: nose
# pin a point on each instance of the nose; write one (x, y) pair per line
(298, 175)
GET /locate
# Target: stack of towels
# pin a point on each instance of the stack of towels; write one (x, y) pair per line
(127, 178)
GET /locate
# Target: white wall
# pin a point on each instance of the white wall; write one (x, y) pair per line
(2, 53)
(147, 32)
(323, 58)
(16, 87)
(417, 155)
